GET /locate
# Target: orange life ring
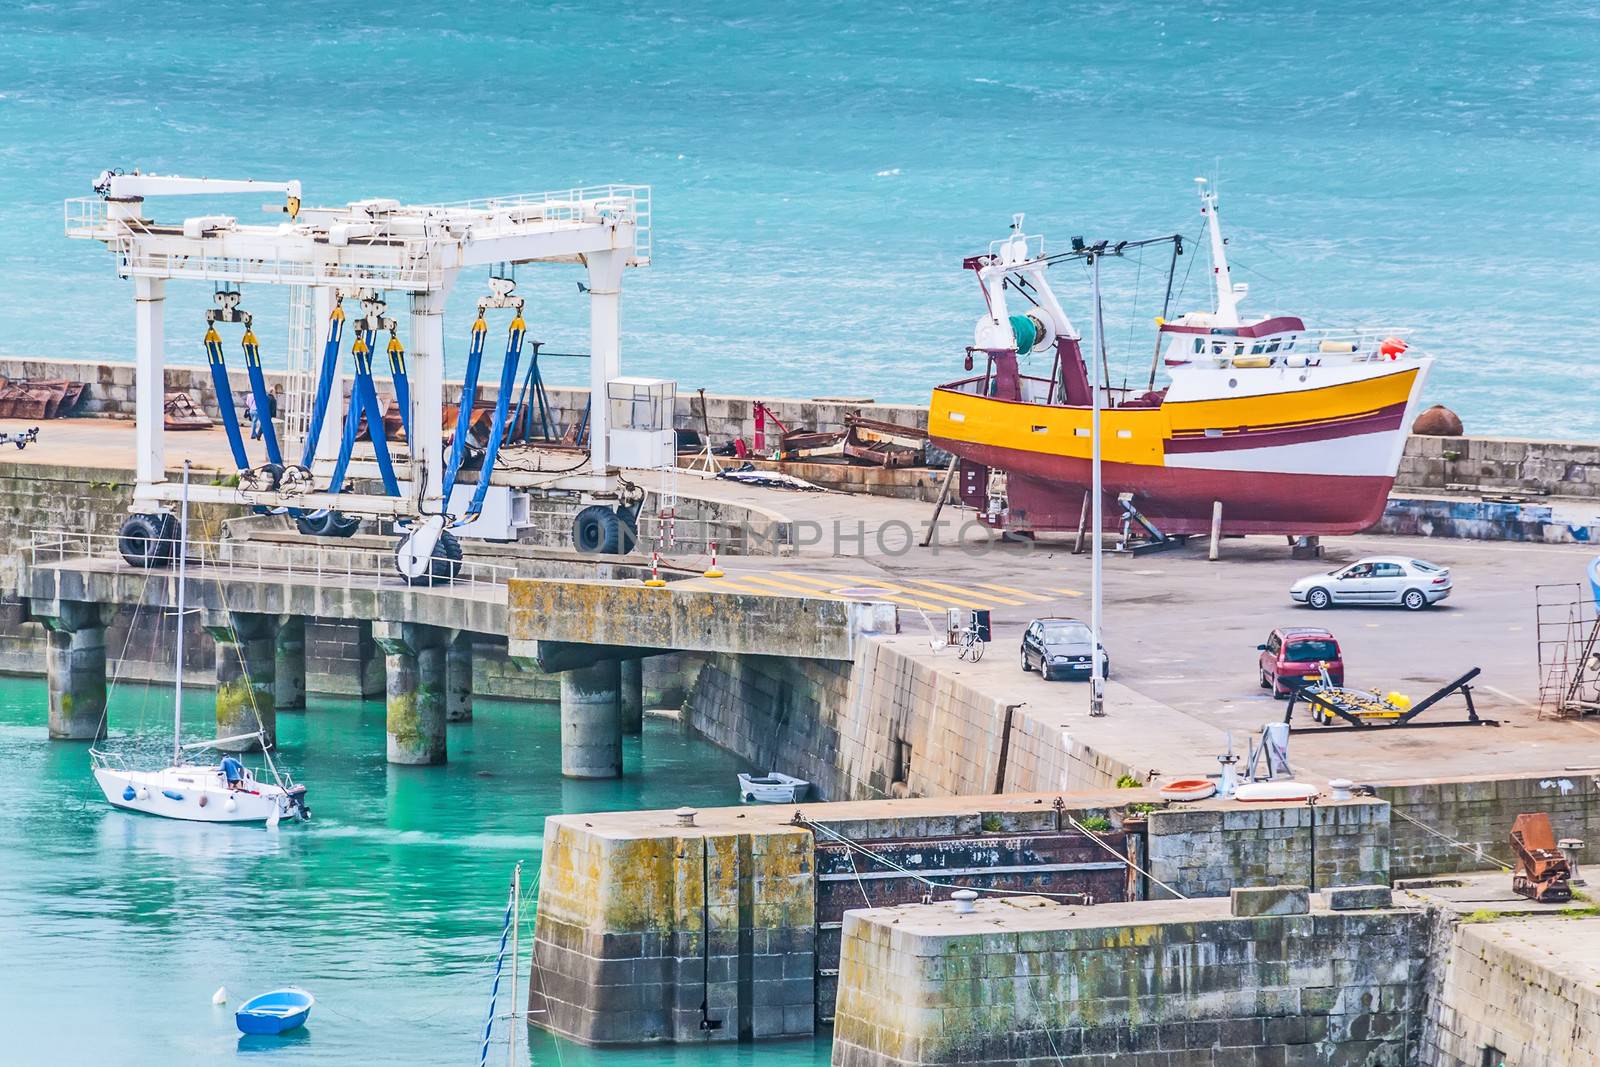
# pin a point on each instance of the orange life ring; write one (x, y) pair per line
(1188, 789)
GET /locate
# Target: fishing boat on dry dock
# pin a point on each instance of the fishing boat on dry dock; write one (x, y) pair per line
(1290, 430)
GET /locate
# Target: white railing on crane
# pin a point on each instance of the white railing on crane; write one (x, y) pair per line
(274, 561)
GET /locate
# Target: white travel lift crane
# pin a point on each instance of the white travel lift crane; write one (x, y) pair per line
(360, 252)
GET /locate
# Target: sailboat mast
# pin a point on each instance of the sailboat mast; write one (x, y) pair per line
(183, 561)
(516, 921)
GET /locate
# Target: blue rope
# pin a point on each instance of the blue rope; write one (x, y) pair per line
(402, 383)
(494, 993)
(330, 365)
(364, 401)
(258, 389)
(469, 396)
(219, 380)
(508, 382)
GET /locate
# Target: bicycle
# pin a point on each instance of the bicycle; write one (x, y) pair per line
(971, 646)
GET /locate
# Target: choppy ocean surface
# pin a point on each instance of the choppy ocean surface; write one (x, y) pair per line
(820, 169)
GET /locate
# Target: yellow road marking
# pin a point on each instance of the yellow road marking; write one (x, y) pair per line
(803, 590)
(731, 585)
(1069, 592)
(1008, 589)
(825, 583)
(908, 600)
(946, 601)
(967, 592)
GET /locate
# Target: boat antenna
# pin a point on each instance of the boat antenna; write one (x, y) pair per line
(183, 560)
(1097, 680)
(1227, 300)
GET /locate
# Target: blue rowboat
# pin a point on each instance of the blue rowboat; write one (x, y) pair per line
(274, 1012)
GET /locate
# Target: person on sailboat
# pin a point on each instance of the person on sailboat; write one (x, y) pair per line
(233, 771)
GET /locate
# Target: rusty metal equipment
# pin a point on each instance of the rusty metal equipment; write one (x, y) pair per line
(22, 398)
(1542, 873)
(180, 412)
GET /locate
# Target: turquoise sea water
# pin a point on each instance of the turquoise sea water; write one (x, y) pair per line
(821, 168)
(115, 928)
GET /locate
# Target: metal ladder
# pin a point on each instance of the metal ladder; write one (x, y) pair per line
(299, 384)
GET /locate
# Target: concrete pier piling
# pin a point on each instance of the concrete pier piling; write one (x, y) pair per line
(246, 675)
(372, 669)
(415, 662)
(75, 664)
(458, 679)
(591, 721)
(289, 683)
(631, 681)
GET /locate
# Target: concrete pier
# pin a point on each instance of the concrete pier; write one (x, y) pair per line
(1028, 979)
(415, 660)
(371, 675)
(631, 706)
(246, 678)
(591, 721)
(289, 682)
(668, 679)
(458, 679)
(75, 664)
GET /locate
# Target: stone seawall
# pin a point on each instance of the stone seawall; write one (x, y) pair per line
(1515, 992)
(683, 935)
(1428, 465)
(885, 725)
(1028, 981)
(1429, 816)
(1207, 850)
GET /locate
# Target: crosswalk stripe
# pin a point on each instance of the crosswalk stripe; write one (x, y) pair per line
(732, 585)
(825, 583)
(965, 592)
(789, 587)
(904, 589)
(1023, 593)
(894, 598)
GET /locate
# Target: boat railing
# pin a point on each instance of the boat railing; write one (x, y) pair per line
(271, 560)
(1360, 344)
(1037, 390)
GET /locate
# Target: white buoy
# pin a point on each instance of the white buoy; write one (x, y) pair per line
(231, 804)
(272, 819)
(220, 996)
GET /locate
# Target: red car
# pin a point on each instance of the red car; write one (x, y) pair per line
(1292, 656)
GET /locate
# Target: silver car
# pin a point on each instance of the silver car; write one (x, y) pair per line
(1410, 583)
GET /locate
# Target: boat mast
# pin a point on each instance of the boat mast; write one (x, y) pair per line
(1227, 300)
(183, 560)
(1097, 681)
(516, 921)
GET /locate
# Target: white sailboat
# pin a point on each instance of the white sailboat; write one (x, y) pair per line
(192, 791)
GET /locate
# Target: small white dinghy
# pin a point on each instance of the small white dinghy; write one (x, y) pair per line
(771, 788)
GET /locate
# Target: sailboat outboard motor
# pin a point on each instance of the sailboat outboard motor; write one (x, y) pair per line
(297, 803)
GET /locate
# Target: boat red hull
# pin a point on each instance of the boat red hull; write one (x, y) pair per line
(1045, 493)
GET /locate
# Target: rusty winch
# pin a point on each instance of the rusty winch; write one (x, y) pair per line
(1542, 872)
